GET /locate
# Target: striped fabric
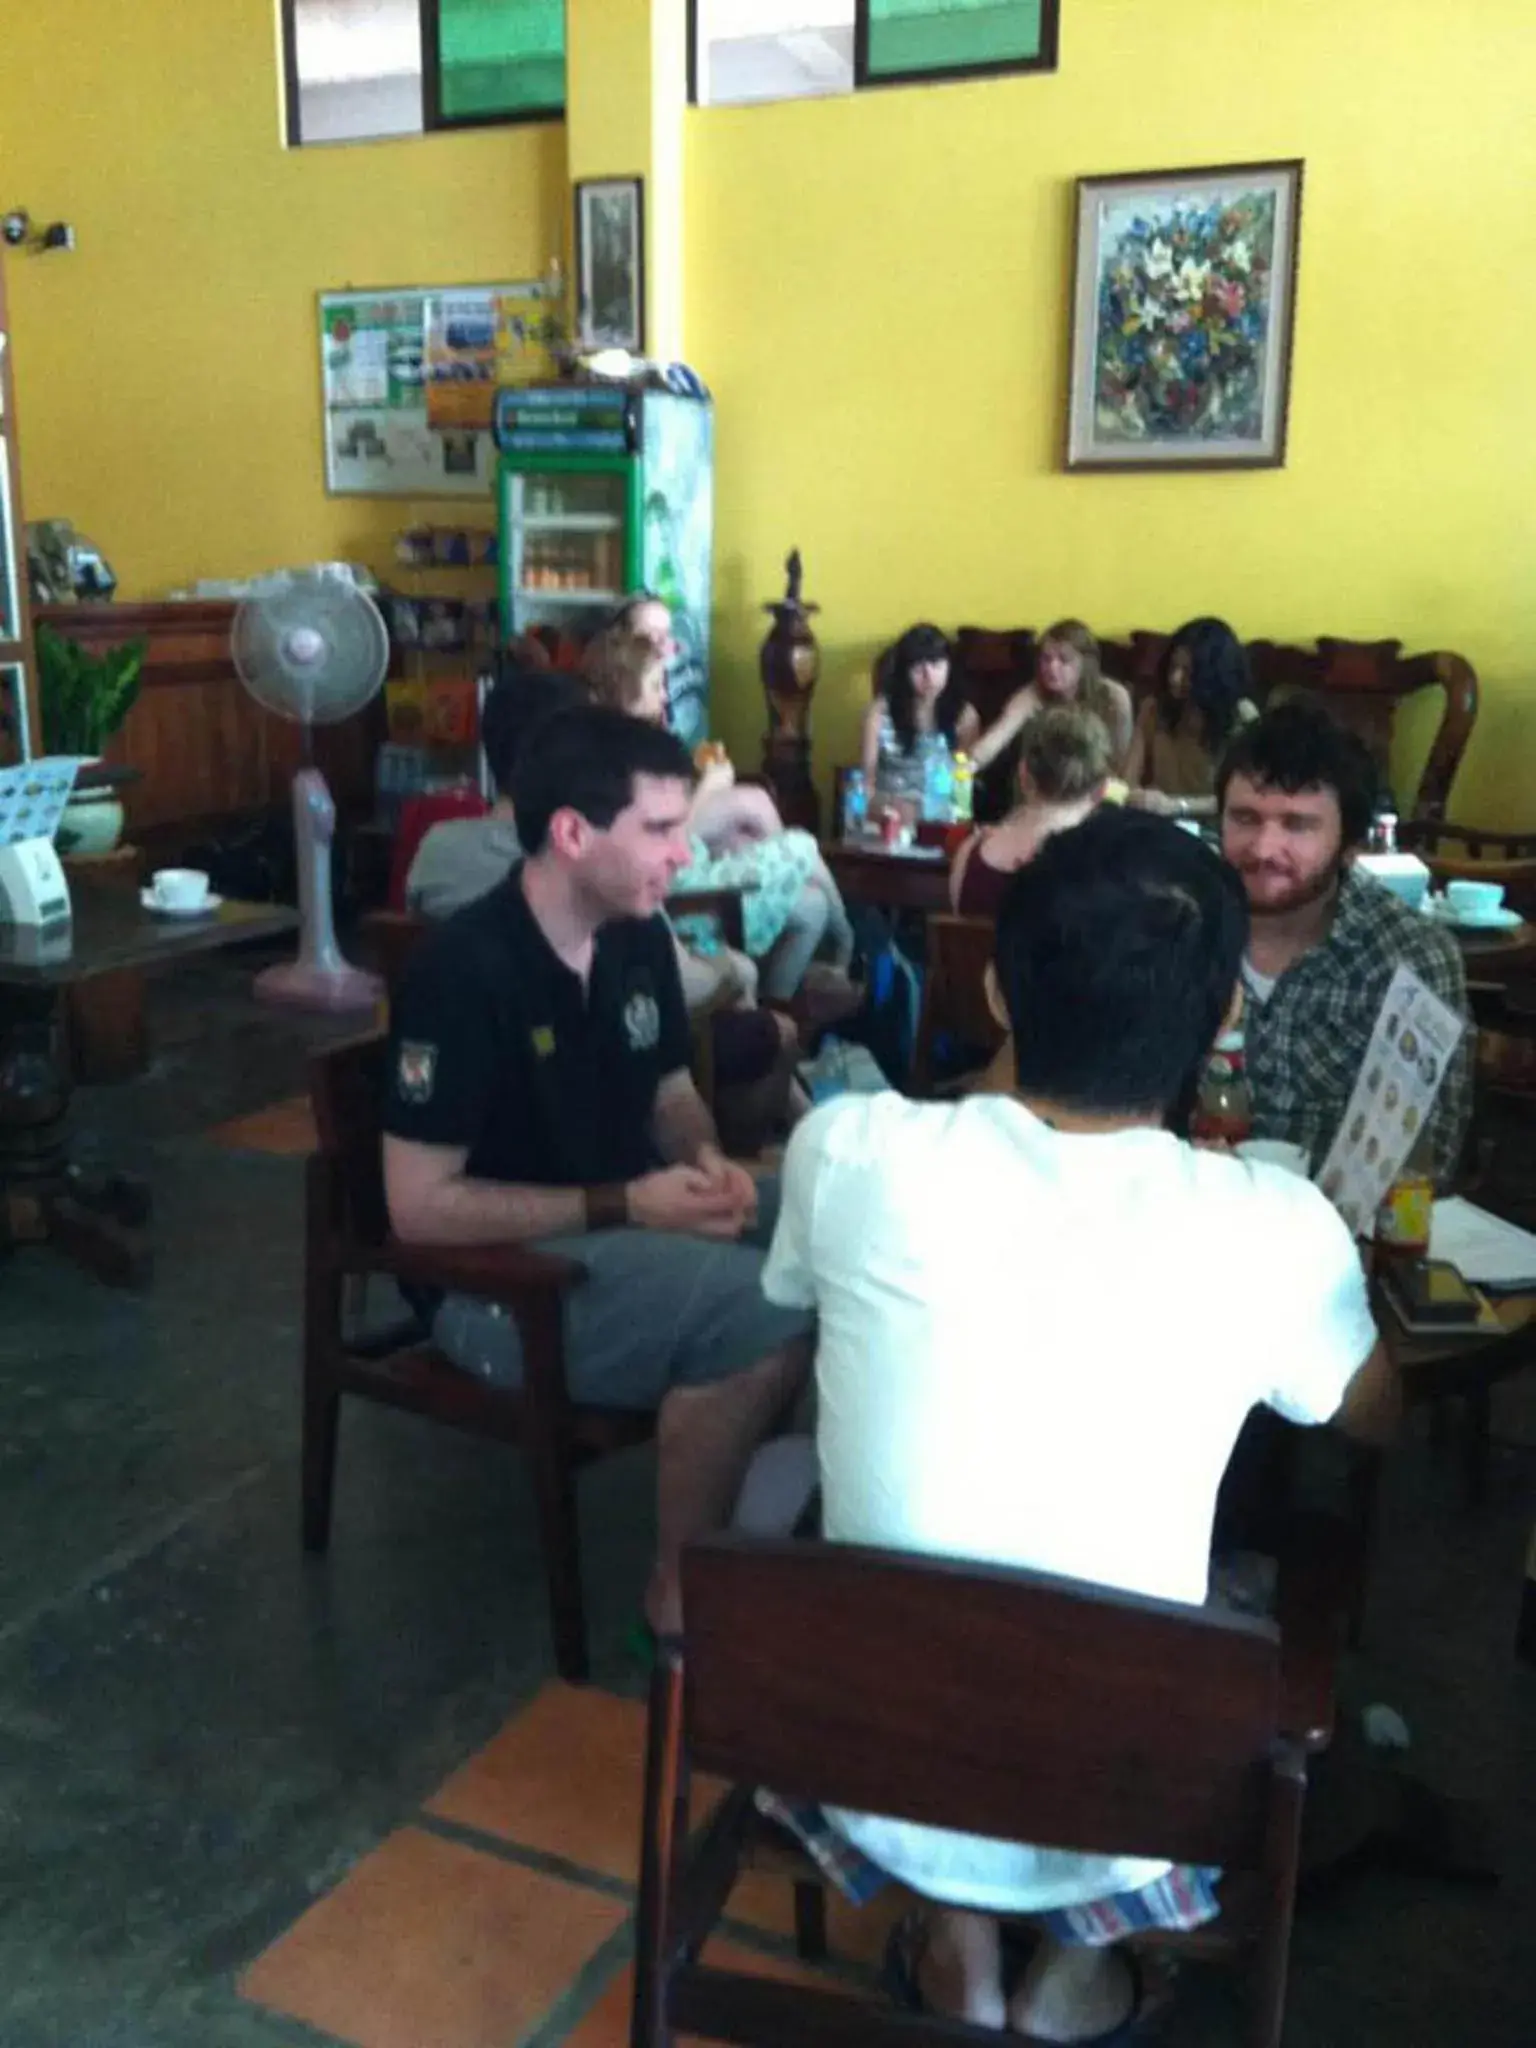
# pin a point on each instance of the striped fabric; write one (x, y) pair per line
(1177, 1903)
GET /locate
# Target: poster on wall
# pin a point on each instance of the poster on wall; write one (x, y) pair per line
(409, 381)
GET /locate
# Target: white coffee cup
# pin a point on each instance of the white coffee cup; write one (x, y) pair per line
(1277, 1152)
(180, 888)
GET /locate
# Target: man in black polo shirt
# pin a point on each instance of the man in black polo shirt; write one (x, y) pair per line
(540, 1094)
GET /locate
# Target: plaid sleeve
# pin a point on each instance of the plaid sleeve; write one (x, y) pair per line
(1436, 958)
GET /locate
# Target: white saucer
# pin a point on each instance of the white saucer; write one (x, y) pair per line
(1501, 920)
(152, 902)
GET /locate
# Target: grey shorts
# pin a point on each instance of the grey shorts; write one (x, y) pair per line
(656, 1311)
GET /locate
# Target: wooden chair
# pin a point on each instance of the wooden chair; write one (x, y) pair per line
(960, 950)
(1362, 683)
(347, 1236)
(1501, 1147)
(1039, 1710)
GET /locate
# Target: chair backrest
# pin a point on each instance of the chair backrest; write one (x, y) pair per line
(346, 1092)
(993, 666)
(996, 1702)
(418, 814)
(960, 949)
(1361, 683)
(391, 937)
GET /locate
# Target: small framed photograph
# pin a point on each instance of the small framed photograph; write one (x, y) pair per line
(610, 263)
(1183, 308)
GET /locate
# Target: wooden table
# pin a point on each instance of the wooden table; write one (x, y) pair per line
(1466, 1367)
(98, 1219)
(1488, 950)
(868, 873)
(108, 1039)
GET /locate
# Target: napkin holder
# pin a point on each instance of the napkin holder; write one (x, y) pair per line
(33, 887)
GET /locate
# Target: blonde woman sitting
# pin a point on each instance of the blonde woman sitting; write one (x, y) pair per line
(1066, 672)
(1062, 773)
(791, 907)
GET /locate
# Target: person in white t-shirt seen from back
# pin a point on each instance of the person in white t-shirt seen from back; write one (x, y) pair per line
(1043, 1320)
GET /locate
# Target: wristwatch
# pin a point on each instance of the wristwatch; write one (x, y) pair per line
(606, 1207)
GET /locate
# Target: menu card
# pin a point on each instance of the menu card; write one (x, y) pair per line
(1414, 1040)
(33, 796)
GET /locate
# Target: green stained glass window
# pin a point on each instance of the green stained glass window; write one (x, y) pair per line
(500, 58)
(914, 39)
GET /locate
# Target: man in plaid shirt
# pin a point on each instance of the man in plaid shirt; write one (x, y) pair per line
(1296, 793)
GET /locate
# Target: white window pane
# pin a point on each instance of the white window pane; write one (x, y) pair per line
(773, 49)
(359, 69)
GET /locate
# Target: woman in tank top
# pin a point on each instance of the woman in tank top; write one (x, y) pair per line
(921, 711)
(1201, 699)
(1062, 772)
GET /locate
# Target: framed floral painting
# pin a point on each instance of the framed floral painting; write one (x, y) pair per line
(1183, 307)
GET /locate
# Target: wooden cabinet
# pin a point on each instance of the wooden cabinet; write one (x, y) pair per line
(209, 758)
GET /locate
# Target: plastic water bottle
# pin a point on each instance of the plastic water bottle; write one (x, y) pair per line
(855, 805)
(965, 789)
(939, 785)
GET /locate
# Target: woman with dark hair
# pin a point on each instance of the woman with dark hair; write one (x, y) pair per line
(1201, 699)
(920, 711)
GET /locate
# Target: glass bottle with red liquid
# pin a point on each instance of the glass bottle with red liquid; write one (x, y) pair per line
(1223, 1111)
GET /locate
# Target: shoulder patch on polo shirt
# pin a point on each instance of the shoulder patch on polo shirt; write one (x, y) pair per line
(642, 1022)
(416, 1070)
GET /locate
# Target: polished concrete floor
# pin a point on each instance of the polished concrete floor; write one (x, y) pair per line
(202, 1734)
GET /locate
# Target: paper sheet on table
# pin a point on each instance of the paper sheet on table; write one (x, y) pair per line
(1412, 1044)
(1482, 1248)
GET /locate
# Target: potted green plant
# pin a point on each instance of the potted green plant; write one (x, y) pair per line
(84, 698)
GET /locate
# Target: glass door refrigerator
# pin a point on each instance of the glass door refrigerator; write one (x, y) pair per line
(601, 492)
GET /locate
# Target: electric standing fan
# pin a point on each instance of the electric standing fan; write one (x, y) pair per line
(310, 646)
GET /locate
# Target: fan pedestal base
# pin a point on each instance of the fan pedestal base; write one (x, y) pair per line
(305, 987)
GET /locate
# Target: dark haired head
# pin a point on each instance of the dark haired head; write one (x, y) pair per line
(1118, 951)
(586, 761)
(1219, 678)
(1298, 746)
(520, 700)
(917, 645)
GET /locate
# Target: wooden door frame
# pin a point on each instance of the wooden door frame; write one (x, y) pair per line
(21, 650)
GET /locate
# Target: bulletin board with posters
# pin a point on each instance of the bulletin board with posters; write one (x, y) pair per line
(409, 381)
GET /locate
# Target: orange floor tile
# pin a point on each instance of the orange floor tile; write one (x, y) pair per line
(287, 1128)
(437, 1943)
(427, 1945)
(566, 1776)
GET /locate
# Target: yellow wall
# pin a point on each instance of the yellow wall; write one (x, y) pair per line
(168, 371)
(876, 291)
(878, 296)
